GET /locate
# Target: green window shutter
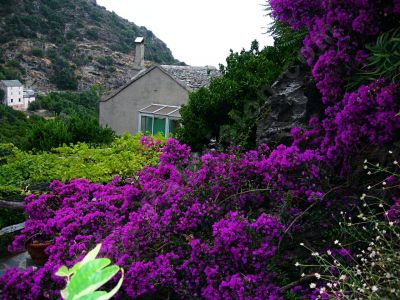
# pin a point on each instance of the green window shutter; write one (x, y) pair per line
(173, 125)
(147, 124)
(159, 126)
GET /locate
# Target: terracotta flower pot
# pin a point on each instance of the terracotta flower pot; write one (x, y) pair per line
(37, 253)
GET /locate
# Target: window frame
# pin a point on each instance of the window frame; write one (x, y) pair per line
(166, 118)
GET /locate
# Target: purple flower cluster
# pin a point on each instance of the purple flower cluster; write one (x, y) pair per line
(334, 47)
(393, 214)
(365, 117)
(338, 33)
(183, 228)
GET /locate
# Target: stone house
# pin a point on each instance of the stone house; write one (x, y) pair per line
(13, 93)
(15, 96)
(150, 102)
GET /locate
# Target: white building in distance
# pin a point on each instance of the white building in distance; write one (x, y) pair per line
(15, 96)
(29, 96)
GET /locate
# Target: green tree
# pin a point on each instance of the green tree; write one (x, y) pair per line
(84, 104)
(65, 79)
(227, 109)
(46, 135)
(87, 129)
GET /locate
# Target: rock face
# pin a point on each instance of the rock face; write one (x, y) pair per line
(292, 100)
(79, 36)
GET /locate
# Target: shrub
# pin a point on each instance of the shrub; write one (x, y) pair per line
(37, 52)
(65, 79)
(181, 228)
(327, 47)
(92, 34)
(106, 60)
(227, 110)
(84, 104)
(54, 133)
(11, 70)
(123, 157)
(365, 262)
(14, 126)
(46, 135)
(22, 173)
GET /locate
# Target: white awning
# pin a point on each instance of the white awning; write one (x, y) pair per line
(162, 110)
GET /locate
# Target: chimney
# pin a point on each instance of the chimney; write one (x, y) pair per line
(139, 54)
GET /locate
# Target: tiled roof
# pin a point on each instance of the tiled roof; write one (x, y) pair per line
(29, 93)
(192, 77)
(12, 83)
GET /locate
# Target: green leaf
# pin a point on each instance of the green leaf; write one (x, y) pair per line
(91, 255)
(110, 294)
(88, 278)
(75, 267)
(63, 272)
(93, 296)
(98, 279)
(64, 293)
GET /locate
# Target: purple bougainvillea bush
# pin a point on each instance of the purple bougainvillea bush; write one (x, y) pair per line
(189, 229)
(336, 48)
(338, 34)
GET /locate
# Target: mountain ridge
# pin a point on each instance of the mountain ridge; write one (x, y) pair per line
(71, 44)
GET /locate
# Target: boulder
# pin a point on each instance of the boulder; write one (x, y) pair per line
(291, 101)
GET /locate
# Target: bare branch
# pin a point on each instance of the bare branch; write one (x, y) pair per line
(293, 284)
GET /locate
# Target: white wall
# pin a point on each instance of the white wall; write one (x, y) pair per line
(15, 96)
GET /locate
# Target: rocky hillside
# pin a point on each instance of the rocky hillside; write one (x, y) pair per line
(70, 44)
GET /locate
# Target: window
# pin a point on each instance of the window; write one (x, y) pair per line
(19, 99)
(159, 126)
(146, 124)
(12, 100)
(159, 118)
(173, 125)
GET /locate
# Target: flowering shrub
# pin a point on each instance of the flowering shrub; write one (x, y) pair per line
(183, 228)
(338, 33)
(365, 117)
(371, 268)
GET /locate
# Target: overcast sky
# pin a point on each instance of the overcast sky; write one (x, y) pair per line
(198, 32)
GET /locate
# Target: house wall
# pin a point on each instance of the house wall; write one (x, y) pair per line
(121, 112)
(15, 97)
(28, 100)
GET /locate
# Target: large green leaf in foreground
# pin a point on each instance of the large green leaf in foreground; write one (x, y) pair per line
(85, 277)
